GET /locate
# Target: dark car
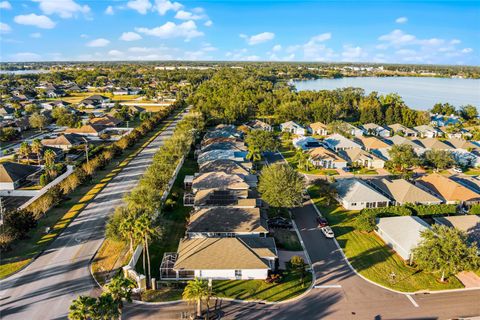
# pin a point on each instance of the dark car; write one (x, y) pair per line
(347, 169)
(279, 222)
(322, 222)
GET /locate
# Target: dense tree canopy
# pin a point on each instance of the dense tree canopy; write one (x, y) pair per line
(281, 186)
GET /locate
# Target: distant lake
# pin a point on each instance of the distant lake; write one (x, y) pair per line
(418, 93)
(20, 72)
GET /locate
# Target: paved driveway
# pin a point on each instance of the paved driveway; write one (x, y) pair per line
(45, 289)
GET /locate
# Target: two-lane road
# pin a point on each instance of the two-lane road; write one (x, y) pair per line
(45, 289)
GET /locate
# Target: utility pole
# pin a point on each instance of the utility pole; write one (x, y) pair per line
(2, 213)
(86, 148)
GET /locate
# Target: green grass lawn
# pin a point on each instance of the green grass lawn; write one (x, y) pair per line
(172, 221)
(171, 292)
(472, 171)
(365, 171)
(58, 217)
(290, 286)
(287, 240)
(372, 258)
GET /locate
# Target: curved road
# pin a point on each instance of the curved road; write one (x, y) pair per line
(45, 289)
(342, 293)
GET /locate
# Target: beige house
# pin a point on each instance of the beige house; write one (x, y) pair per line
(362, 158)
(323, 158)
(318, 128)
(401, 192)
(450, 191)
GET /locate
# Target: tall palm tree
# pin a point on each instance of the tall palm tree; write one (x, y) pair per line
(195, 291)
(127, 226)
(145, 231)
(120, 288)
(37, 148)
(82, 308)
(302, 160)
(254, 154)
(106, 307)
(49, 162)
(24, 150)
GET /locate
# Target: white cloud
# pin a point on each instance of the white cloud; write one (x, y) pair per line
(353, 54)
(168, 30)
(455, 41)
(130, 36)
(32, 19)
(141, 6)
(208, 23)
(163, 6)
(115, 53)
(25, 56)
(321, 37)
(276, 48)
(4, 28)
(63, 8)
(398, 38)
(252, 58)
(401, 20)
(5, 5)
(100, 42)
(109, 10)
(36, 35)
(315, 49)
(467, 50)
(186, 15)
(258, 38)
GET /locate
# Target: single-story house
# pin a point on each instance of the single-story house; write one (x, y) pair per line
(64, 141)
(293, 127)
(258, 125)
(372, 143)
(401, 192)
(433, 144)
(468, 223)
(398, 128)
(402, 234)
(223, 198)
(399, 140)
(318, 128)
(13, 175)
(362, 158)
(447, 189)
(461, 144)
(355, 194)
(238, 156)
(223, 258)
(87, 130)
(338, 142)
(95, 101)
(107, 121)
(227, 166)
(223, 131)
(237, 146)
(220, 222)
(305, 143)
(426, 131)
(218, 180)
(376, 130)
(352, 130)
(324, 158)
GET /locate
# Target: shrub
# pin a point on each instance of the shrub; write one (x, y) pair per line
(19, 222)
(475, 209)
(44, 180)
(365, 221)
(438, 209)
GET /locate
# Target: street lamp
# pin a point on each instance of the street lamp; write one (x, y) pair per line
(86, 148)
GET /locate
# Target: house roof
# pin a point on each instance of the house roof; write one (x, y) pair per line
(292, 124)
(226, 166)
(220, 154)
(433, 143)
(227, 219)
(106, 120)
(371, 142)
(424, 128)
(321, 153)
(217, 254)
(403, 191)
(338, 141)
(12, 171)
(448, 189)
(461, 144)
(469, 223)
(207, 142)
(233, 198)
(318, 126)
(88, 128)
(399, 140)
(219, 180)
(257, 124)
(372, 126)
(228, 145)
(355, 190)
(405, 231)
(63, 140)
(356, 154)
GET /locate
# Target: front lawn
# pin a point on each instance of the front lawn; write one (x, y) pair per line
(472, 171)
(365, 171)
(289, 156)
(372, 258)
(287, 240)
(290, 286)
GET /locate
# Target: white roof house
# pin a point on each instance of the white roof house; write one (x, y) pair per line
(402, 234)
(338, 142)
(354, 194)
(238, 156)
(306, 143)
(376, 130)
(426, 131)
(293, 127)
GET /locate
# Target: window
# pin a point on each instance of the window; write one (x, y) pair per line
(238, 274)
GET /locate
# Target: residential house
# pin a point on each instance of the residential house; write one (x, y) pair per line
(64, 141)
(222, 222)
(220, 181)
(318, 128)
(227, 166)
(376, 130)
(337, 142)
(470, 224)
(222, 198)
(293, 127)
(222, 258)
(50, 105)
(425, 131)
(352, 130)
(87, 130)
(447, 189)
(55, 93)
(14, 175)
(126, 91)
(223, 132)
(237, 146)
(305, 143)
(433, 144)
(238, 156)
(457, 143)
(374, 145)
(401, 192)
(402, 234)
(399, 140)
(258, 125)
(362, 158)
(95, 101)
(399, 129)
(106, 120)
(323, 158)
(206, 142)
(7, 113)
(355, 194)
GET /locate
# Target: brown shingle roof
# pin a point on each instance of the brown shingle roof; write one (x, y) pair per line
(88, 128)
(448, 189)
(321, 153)
(403, 191)
(219, 180)
(372, 142)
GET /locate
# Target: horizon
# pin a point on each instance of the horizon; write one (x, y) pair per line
(399, 32)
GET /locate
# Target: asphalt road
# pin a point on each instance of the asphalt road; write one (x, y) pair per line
(45, 289)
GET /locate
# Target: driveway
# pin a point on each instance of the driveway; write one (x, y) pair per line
(45, 289)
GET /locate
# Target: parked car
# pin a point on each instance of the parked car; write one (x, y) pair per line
(328, 232)
(322, 222)
(279, 222)
(457, 170)
(347, 169)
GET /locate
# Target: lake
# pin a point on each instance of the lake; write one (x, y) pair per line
(418, 93)
(20, 72)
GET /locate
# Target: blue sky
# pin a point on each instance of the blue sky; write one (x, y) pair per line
(369, 31)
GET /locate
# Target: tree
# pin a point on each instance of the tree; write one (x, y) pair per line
(120, 288)
(468, 112)
(38, 121)
(263, 141)
(82, 308)
(127, 226)
(446, 251)
(145, 231)
(326, 190)
(24, 150)
(365, 221)
(49, 161)
(444, 109)
(106, 307)
(37, 148)
(19, 222)
(281, 186)
(439, 159)
(403, 156)
(195, 291)
(303, 160)
(298, 266)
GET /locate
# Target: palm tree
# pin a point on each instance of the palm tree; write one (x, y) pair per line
(106, 307)
(82, 308)
(120, 288)
(127, 226)
(254, 154)
(195, 291)
(145, 231)
(302, 160)
(37, 148)
(24, 150)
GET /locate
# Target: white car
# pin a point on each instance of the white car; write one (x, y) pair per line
(328, 232)
(457, 170)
